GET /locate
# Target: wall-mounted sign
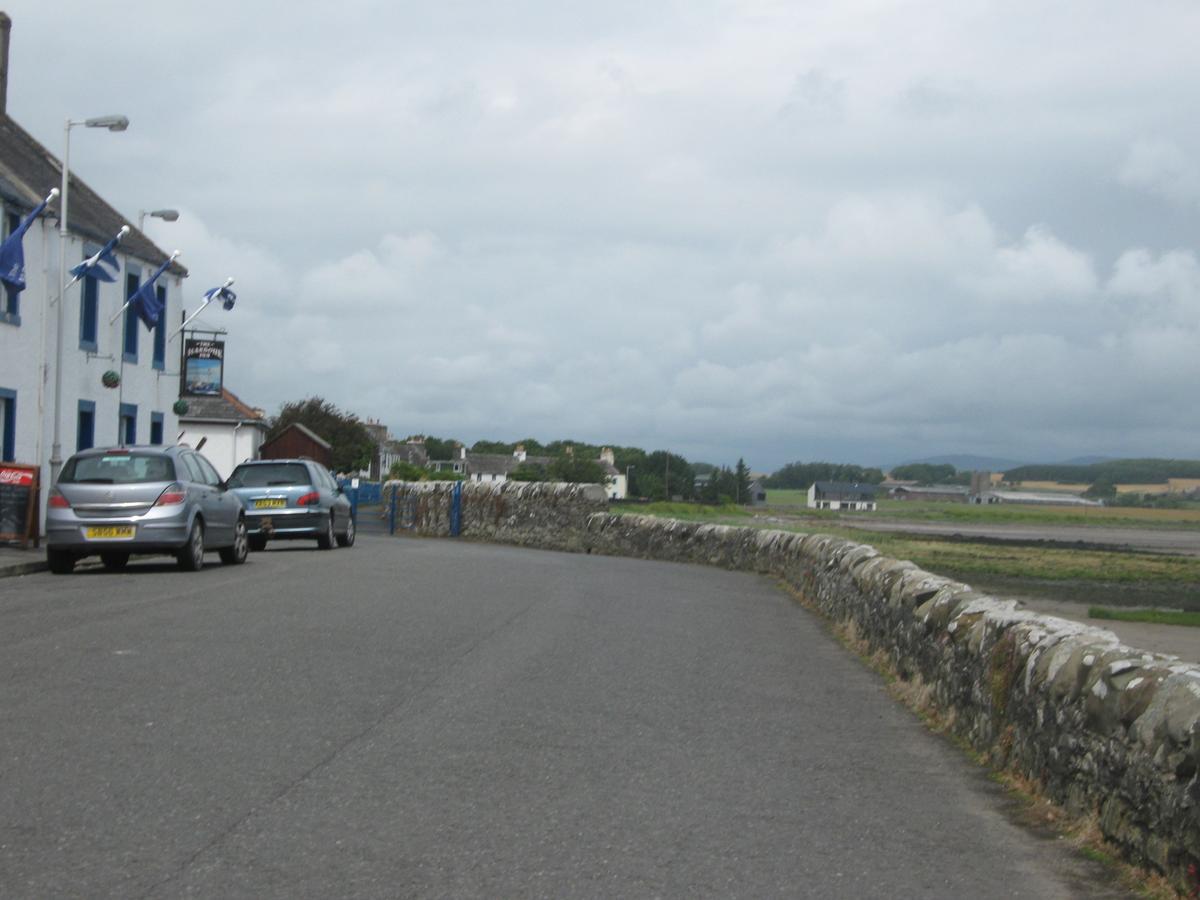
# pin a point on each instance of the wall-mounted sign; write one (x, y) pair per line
(203, 368)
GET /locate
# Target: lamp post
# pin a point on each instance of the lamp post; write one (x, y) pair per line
(112, 123)
(628, 483)
(167, 215)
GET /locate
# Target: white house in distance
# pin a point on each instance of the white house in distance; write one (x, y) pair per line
(494, 468)
(232, 431)
(841, 495)
(139, 409)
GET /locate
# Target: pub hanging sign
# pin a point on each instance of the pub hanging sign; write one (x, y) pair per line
(203, 368)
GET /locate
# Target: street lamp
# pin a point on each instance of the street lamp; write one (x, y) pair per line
(112, 123)
(628, 483)
(167, 215)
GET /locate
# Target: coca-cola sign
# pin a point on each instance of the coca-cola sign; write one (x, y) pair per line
(22, 477)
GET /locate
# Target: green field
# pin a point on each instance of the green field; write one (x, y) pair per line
(1116, 577)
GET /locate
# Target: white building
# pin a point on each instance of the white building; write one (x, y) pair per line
(139, 410)
(841, 495)
(232, 431)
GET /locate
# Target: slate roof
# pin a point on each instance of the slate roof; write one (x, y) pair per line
(843, 490)
(500, 463)
(27, 173)
(226, 408)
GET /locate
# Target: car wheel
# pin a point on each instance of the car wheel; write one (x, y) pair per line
(325, 538)
(257, 543)
(191, 556)
(347, 539)
(61, 562)
(236, 555)
(115, 562)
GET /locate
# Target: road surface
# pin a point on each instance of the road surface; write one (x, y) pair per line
(439, 718)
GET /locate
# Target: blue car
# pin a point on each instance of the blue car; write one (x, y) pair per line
(290, 499)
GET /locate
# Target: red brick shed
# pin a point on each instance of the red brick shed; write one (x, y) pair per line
(295, 441)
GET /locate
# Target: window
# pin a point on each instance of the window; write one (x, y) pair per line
(269, 475)
(130, 347)
(85, 428)
(10, 312)
(119, 467)
(210, 474)
(160, 335)
(194, 473)
(89, 311)
(156, 426)
(8, 424)
(128, 424)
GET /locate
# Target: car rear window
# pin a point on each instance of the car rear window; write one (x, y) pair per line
(269, 475)
(118, 468)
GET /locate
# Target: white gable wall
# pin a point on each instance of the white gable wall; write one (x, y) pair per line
(27, 355)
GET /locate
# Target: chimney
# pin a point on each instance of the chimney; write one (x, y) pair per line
(5, 32)
(606, 455)
(519, 453)
(460, 451)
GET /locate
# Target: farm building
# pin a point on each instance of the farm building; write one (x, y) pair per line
(945, 493)
(1041, 499)
(841, 495)
(296, 441)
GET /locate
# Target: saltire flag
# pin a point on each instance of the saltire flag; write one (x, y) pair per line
(223, 293)
(102, 265)
(12, 253)
(144, 301)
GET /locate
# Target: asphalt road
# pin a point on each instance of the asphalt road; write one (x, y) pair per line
(439, 718)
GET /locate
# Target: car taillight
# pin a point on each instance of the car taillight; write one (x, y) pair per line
(57, 500)
(309, 499)
(172, 495)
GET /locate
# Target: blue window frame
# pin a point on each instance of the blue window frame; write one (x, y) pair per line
(10, 312)
(160, 332)
(130, 346)
(8, 424)
(89, 313)
(156, 426)
(85, 427)
(128, 424)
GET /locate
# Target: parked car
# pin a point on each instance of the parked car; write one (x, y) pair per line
(117, 501)
(292, 498)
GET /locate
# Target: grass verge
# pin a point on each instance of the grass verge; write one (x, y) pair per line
(964, 559)
(1152, 616)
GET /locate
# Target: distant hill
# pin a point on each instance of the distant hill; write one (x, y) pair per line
(1115, 471)
(965, 462)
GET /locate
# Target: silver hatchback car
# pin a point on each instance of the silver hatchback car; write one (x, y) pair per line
(117, 501)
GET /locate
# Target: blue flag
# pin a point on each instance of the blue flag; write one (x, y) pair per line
(224, 294)
(144, 301)
(12, 253)
(102, 265)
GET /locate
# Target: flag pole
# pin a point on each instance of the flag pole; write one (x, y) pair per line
(203, 306)
(117, 314)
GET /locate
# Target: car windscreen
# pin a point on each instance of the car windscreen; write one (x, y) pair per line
(118, 468)
(269, 475)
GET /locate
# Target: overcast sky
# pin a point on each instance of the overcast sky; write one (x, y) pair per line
(858, 231)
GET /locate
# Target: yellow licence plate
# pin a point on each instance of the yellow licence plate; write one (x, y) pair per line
(270, 503)
(109, 532)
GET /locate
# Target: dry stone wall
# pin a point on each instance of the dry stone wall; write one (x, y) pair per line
(1106, 729)
(533, 513)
